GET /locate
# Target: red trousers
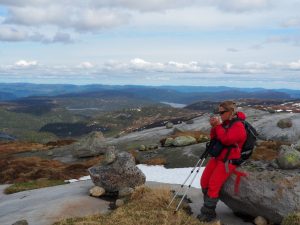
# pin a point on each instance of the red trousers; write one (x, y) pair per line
(214, 176)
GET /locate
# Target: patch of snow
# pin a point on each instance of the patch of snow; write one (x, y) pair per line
(70, 181)
(85, 178)
(171, 176)
(163, 175)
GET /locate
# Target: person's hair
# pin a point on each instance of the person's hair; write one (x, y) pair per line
(229, 106)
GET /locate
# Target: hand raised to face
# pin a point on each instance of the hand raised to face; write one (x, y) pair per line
(214, 121)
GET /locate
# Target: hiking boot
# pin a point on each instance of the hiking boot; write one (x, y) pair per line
(207, 214)
(205, 218)
(208, 210)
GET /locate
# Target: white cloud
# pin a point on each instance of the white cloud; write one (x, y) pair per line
(93, 15)
(146, 5)
(232, 50)
(11, 34)
(141, 65)
(293, 39)
(294, 65)
(243, 5)
(71, 15)
(85, 65)
(138, 65)
(24, 63)
(294, 22)
(138, 70)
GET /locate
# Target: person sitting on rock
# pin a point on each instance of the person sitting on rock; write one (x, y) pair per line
(219, 168)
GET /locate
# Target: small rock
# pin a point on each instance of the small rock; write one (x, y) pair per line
(142, 148)
(260, 221)
(203, 138)
(125, 192)
(285, 123)
(168, 142)
(169, 125)
(97, 191)
(152, 147)
(49, 153)
(274, 164)
(189, 122)
(110, 155)
(119, 202)
(21, 222)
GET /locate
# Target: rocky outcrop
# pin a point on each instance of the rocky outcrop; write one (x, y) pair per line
(278, 126)
(91, 145)
(289, 158)
(118, 175)
(21, 222)
(266, 191)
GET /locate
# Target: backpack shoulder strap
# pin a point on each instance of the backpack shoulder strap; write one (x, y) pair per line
(234, 120)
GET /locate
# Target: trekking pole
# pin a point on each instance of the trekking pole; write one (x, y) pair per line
(182, 185)
(188, 187)
(201, 160)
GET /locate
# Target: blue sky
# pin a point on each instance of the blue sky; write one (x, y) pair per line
(242, 43)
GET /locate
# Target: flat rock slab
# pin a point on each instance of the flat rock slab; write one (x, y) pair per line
(48, 205)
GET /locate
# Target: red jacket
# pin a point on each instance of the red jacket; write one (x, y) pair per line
(234, 135)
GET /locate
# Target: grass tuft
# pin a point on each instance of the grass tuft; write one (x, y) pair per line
(291, 219)
(146, 206)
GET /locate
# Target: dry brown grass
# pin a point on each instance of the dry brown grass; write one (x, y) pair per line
(267, 150)
(58, 143)
(134, 153)
(16, 147)
(146, 207)
(155, 161)
(9, 148)
(32, 168)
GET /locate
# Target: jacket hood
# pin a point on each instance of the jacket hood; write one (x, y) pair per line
(241, 115)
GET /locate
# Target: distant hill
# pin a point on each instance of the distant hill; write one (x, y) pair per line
(175, 94)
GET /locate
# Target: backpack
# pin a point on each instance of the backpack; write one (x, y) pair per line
(250, 142)
(214, 147)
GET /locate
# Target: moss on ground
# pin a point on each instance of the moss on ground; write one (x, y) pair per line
(25, 186)
(291, 219)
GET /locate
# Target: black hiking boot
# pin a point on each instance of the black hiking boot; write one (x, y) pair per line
(208, 210)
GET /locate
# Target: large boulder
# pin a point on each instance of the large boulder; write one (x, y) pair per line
(289, 158)
(91, 145)
(184, 140)
(285, 123)
(266, 191)
(117, 175)
(279, 126)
